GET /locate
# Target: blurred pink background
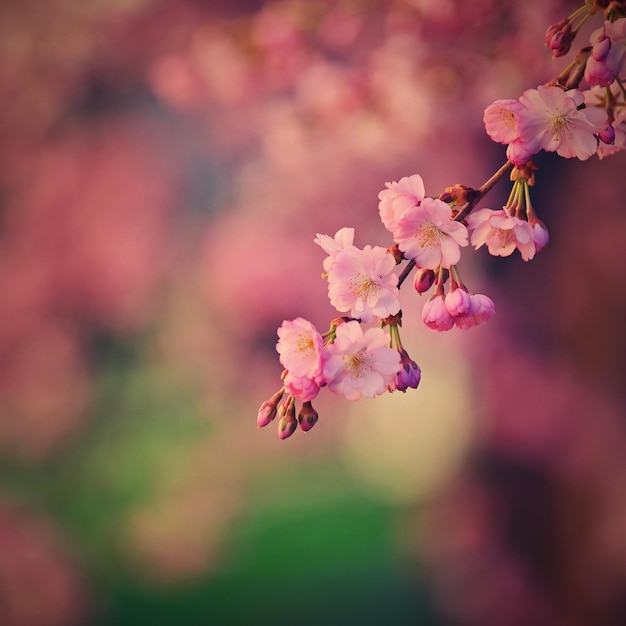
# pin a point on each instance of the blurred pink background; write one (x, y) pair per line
(164, 168)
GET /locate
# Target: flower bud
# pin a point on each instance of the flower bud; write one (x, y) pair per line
(436, 316)
(540, 234)
(424, 279)
(409, 375)
(559, 37)
(459, 194)
(458, 302)
(287, 423)
(307, 418)
(267, 411)
(608, 134)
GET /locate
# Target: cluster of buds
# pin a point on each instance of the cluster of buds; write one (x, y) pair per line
(429, 233)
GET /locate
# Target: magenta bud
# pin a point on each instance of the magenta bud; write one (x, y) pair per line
(608, 134)
(424, 279)
(307, 417)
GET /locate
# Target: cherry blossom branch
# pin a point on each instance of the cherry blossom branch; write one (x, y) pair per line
(429, 232)
(482, 191)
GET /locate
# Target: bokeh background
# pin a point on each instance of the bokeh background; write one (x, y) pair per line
(164, 167)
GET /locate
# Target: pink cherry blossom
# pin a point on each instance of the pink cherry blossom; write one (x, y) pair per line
(343, 238)
(427, 234)
(502, 233)
(608, 53)
(300, 347)
(482, 309)
(500, 120)
(435, 314)
(398, 197)
(457, 302)
(552, 120)
(363, 283)
(502, 125)
(360, 364)
(303, 388)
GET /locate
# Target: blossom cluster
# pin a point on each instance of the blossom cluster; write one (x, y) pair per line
(580, 113)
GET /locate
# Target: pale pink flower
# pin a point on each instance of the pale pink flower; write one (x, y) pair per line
(500, 120)
(363, 283)
(427, 234)
(360, 364)
(552, 121)
(303, 388)
(608, 53)
(502, 233)
(435, 314)
(300, 347)
(501, 123)
(482, 309)
(343, 239)
(398, 197)
(457, 302)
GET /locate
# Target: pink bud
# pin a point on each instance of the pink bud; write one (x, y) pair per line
(307, 417)
(608, 134)
(458, 302)
(540, 235)
(559, 37)
(436, 316)
(481, 311)
(601, 49)
(287, 423)
(424, 279)
(267, 411)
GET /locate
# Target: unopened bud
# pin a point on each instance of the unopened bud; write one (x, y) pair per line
(525, 171)
(307, 418)
(559, 37)
(410, 373)
(459, 194)
(267, 411)
(424, 279)
(540, 234)
(287, 423)
(601, 49)
(608, 134)
(397, 254)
